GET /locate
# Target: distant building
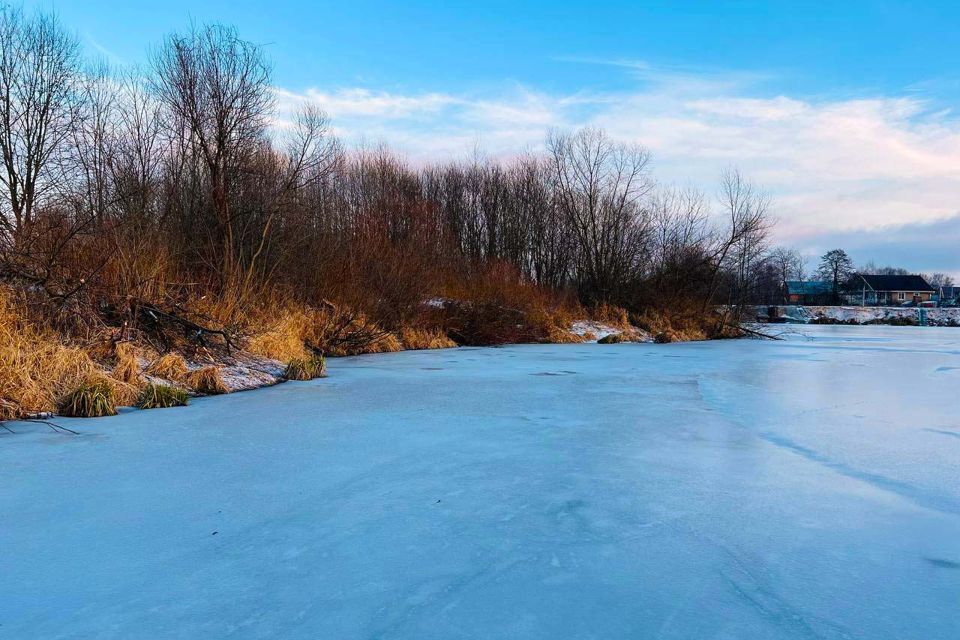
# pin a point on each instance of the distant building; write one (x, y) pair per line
(949, 295)
(813, 292)
(888, 290)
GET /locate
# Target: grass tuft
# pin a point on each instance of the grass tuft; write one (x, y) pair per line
(306, 368)
(560, 335)
(206, 381)
(161, 396)
(92, 399)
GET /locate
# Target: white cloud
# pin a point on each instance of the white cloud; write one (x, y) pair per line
(350, 103)
(833, 166)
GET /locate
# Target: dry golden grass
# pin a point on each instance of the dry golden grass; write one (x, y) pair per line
(8, 410)
(127, 368)
(169, 366)
(611, 315)
(553, 323)
(411, 338)
(124, 393)
(340, 331)
(382, 343)
(675, 326)
(36, 368)
(206, 380)
(284, 339)
(337, 332)
(344, 332)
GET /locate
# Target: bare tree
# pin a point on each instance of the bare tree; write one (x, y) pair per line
(679, 243)
(309, 153)
(600, 184)
(938, 280)
(39, 105)
(90, 160)
(741, 242)
(548, 246)
(788, 264)
(215, 88)
(193, 200)
(138, 152)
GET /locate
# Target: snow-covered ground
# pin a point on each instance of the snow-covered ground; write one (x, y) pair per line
(805, 488)
(593, 330)
(865, 315)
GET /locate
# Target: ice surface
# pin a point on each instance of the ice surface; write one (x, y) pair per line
(808, 488)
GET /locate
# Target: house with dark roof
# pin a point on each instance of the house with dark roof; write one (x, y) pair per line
(883, 290)
(813, 292)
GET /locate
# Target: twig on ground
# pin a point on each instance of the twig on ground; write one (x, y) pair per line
(56, 427)
(759, 334)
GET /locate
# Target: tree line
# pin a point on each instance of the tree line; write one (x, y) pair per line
(175, 184)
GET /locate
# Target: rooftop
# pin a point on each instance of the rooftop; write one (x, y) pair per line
(896, 283)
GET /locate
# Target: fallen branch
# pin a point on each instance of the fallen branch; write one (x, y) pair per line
(56, 427)
(758, 334)
(157, 315)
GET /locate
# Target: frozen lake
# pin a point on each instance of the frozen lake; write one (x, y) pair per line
(808, 488)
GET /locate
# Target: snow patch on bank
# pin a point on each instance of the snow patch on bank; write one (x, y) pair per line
(592, 331)
(240, 371)
(944, 317)
(883, 315)
(248, 371)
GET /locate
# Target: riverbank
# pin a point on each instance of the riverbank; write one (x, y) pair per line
(44, 372)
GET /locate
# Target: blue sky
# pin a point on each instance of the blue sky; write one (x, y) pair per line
(844, 111)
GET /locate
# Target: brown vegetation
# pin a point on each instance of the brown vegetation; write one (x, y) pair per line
(127, 368)
(169, 366)
(411, 338)
(36, 367)
(206, 380)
